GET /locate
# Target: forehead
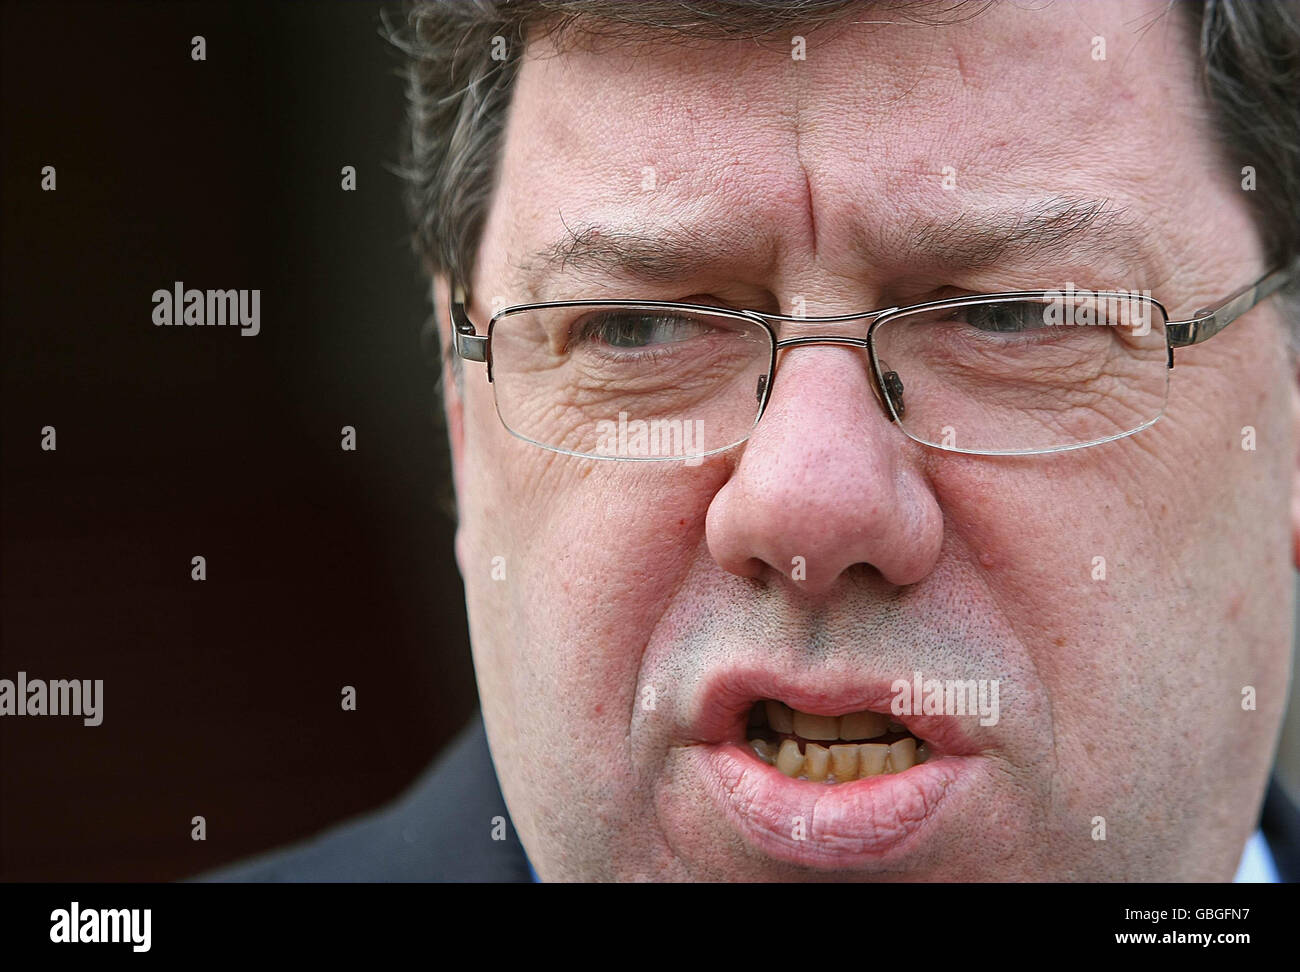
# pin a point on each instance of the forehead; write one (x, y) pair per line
(843, 155)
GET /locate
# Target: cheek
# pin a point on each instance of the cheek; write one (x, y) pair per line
(1046, 535)
(1142, 578)
(592, 553)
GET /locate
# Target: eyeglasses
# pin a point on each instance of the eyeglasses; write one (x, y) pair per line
(1021, 373)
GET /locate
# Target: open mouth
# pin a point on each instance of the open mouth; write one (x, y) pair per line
(815, 769)
(831, 749)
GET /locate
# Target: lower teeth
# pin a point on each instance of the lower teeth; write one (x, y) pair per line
(835, 762)
(840, 763)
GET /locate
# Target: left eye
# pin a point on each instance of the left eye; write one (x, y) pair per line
(640, 330)
(1008, 317)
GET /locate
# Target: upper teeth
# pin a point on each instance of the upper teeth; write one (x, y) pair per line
(855, 725)
(779, 716)
(816, 727)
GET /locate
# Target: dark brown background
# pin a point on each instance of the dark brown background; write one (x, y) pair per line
(325, 568)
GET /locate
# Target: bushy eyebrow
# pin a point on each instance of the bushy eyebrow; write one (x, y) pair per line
(1081, 227)
(668, 253)
(1084, 228)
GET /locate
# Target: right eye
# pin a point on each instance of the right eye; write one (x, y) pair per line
(1005, 317)
(635, 330)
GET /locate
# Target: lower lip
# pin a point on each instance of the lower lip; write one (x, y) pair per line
(844, 825)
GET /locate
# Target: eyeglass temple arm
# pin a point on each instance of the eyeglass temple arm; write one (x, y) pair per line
(1210, 321)
(470, 346)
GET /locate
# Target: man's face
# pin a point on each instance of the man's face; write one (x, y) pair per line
(640, 609)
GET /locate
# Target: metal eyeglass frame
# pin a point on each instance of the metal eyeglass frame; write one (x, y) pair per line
(1207, 322)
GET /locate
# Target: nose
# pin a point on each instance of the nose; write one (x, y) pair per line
(825, 483)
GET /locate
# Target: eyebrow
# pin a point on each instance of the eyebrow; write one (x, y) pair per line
(974, 239)
(1055, 226)
(669, 253)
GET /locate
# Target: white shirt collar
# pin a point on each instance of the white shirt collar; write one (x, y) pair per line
(1257, 865)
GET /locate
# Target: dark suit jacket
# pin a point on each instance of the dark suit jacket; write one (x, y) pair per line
(441, 830)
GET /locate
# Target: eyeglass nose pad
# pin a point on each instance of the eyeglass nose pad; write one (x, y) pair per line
(762, 387)
(893, 389)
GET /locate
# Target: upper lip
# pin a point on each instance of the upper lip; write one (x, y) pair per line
(727, 697)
